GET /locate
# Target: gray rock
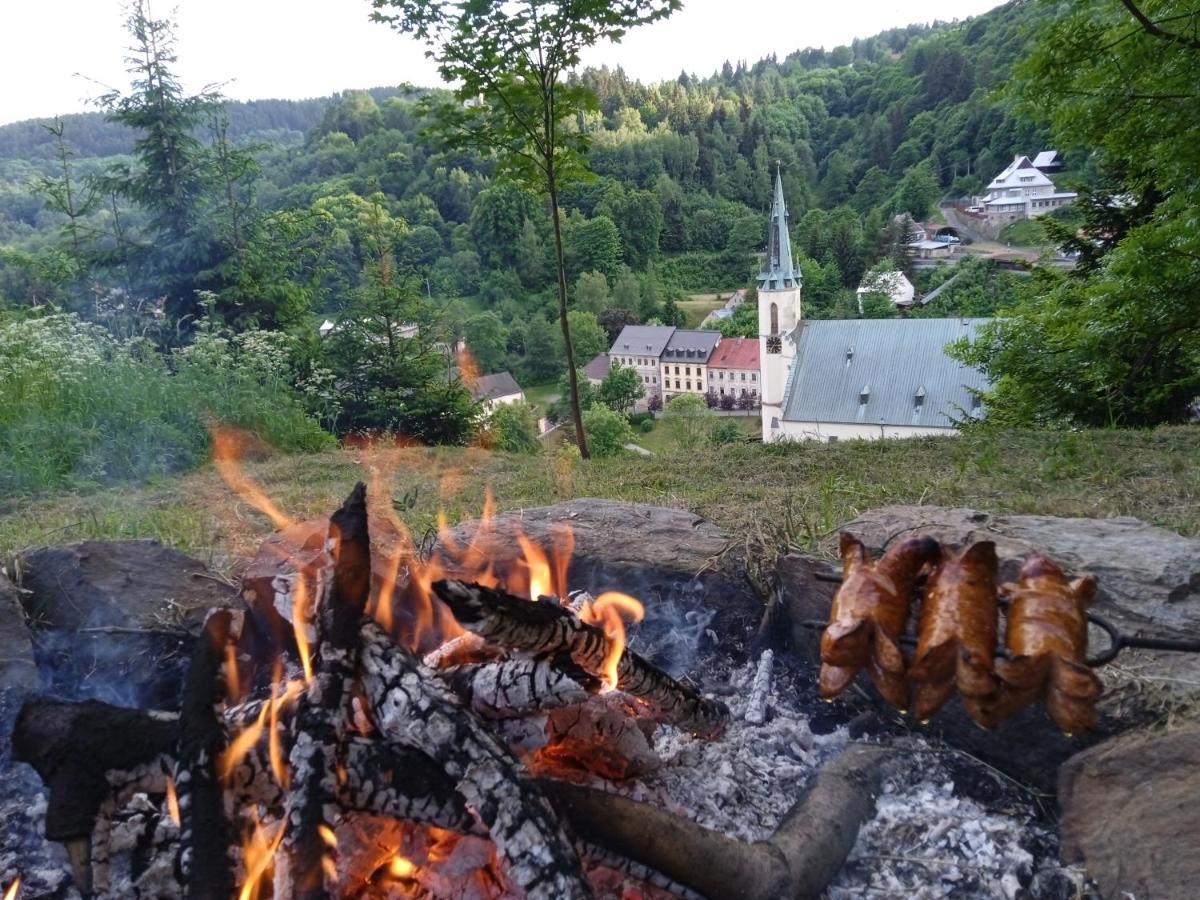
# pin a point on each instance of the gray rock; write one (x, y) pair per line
(18, 671)
(1130, 813)
(116, 620)
(1147, 575)
(681, 566)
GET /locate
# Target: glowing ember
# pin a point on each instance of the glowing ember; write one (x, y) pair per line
(172, 802)
(11, 893)
(229, 447)
(401, 867)
(607, 611)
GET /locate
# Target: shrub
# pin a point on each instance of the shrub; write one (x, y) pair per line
(79, 408)
(512, 427)
(607, 432)
(747, 401)
(712, 398)
(727, 401)
(689, 420)
(637, 419)
(655, 404)
(725, 432)
(646, 426)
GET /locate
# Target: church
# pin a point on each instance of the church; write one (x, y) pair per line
(837, 379)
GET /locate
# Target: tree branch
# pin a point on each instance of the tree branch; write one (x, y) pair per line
(1152, 28)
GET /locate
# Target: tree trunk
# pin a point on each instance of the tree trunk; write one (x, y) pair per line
(576, 414)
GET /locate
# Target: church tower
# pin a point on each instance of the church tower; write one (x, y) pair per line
(779, 314)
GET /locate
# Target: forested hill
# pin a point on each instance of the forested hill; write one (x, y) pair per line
(683, 168)
(281, 121)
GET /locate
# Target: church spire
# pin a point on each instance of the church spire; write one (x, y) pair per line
(779, 273)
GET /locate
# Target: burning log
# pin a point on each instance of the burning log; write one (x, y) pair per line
(798, 861)
(322, 715)
(413, 709)
(519, 687)
(204, 862)
(545, 629)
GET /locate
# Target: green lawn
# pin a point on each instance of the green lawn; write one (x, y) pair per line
(660, 440)
(698, 306)
(541, 395)
(779, 495)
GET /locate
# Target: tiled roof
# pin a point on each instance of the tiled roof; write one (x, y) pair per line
(598, 367)
(735, 353)
(690, 346)
(882, 371)
(641, 340)
(488, 387)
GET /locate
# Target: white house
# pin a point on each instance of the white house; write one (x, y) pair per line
(831, 379)
(493, 390)
(1021, 191)
(640, 347)
(893, 285)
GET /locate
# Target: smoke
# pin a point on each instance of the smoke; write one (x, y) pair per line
(676, 619)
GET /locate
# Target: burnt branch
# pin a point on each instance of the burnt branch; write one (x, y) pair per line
(205, 863)
(511, 688)
(546, 629)
(322, 715)
(412, 708)
(798, 861)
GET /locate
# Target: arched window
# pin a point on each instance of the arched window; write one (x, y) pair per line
(774, 318)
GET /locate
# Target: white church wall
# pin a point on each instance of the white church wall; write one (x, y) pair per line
(842, 431)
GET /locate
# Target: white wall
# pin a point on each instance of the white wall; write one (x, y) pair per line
(843, 431)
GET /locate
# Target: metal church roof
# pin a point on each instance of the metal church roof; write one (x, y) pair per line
(882, 371)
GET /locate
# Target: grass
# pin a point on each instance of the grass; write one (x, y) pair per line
(660, 440)
(784, 495)
(697, 307)
(541, 395)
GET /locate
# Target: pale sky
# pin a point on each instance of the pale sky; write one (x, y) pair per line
(309, 48)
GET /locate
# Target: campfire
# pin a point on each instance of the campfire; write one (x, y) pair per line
(384, 716)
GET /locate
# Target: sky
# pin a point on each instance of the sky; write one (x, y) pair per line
(54, 57)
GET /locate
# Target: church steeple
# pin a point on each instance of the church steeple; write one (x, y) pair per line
(778, 273)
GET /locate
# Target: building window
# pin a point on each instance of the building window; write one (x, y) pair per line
(722, 390)
(721, 376)
(687, 370)
(689, 385)
(743, 376)
(676, 384)
(774, 318)
(677, 370)
(754, 376)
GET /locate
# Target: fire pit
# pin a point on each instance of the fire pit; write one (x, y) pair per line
(383, 719)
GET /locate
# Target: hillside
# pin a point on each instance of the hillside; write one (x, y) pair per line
(772, 496)
(886, 124)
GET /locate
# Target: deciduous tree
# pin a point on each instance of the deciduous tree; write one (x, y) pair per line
(516, 56)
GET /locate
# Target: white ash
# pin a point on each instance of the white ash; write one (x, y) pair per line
(743, 782)
(760, 690)
(929, 841)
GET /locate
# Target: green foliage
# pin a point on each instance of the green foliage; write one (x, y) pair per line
(607, 431)
(1119, 342)
(621, 388)
(589, 338)
(487, 339)
(743, 322)
(512, 427)
(561, 410)
(688, 420)
(725, 431)
(83, 409)
(591, 293)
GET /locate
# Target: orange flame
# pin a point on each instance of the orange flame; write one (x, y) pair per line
(240, 745)
(11, 893)
(300, 624)
(229, 447)
(606, 611)
(274, 744)
(538, 567)
(173, 802)
(468, 369)
(258, 852)
(233, 680)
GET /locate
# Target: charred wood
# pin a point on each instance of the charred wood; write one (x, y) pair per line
(509, 688)
(545, 629)
(413, 709)
(204, 862)
(798, 861)
(323, 709)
